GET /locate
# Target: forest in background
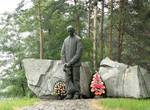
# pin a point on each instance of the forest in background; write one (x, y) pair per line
(119, 29)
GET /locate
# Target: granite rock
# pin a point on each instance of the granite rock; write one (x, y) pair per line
(122, 80)
(42, 75)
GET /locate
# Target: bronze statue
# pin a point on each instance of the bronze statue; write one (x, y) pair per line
(70, 54)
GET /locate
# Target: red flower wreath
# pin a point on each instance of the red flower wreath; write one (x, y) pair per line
(97, 85)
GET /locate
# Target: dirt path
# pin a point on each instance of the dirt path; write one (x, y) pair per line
(81, 104)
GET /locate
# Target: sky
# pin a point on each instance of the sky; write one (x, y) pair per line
(8, 5)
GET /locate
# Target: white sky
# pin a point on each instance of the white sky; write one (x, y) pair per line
(8, 5)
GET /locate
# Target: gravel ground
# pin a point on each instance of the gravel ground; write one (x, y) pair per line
(80, 104)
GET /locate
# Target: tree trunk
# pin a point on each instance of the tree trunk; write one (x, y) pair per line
(121, 25)
(77, 18)
(94, 38)
(78, 24)
(110, 29)
(89, 19)
(40, 30)
(101, 31)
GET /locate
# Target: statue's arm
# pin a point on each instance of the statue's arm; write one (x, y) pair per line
(63, 53)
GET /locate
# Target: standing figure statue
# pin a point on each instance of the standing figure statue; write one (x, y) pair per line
(70, 54)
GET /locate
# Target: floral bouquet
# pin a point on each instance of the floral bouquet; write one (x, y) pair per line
(97, 85)
(59, 89)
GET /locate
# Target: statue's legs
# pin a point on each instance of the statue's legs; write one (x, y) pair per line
(69, 83)
(72, 77)
(76, 80)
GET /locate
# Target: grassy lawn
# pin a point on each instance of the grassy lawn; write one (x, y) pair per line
(15, 103)
(125, 104)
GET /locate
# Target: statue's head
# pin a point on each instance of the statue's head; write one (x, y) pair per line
(70, 30)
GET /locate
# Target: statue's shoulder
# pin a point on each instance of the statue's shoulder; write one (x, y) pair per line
(78, 37)
(66, 39)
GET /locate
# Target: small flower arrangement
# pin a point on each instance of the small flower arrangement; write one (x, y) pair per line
(59, 89)
(97, 85)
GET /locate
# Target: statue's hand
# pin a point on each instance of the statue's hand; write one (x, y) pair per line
(67, 65)
(66, 68)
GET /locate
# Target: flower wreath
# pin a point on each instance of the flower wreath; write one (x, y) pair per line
(97, 85)
(59, 88)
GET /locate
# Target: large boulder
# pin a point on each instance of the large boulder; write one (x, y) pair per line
(43, 74)
(122, 80)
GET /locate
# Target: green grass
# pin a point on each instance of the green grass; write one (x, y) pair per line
(125, 104)
(15, 103)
